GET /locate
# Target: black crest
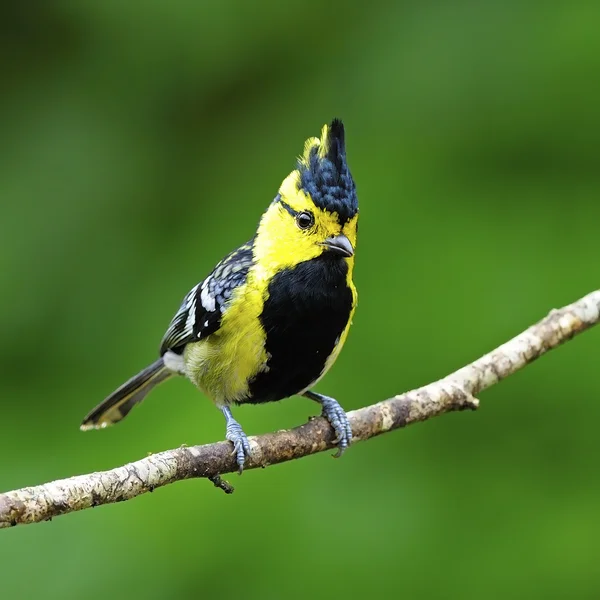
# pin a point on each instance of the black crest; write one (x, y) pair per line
(324, 173)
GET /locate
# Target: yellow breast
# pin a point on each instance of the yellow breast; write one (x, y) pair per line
(222, 364)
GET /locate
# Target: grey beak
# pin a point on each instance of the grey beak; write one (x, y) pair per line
(339, 244)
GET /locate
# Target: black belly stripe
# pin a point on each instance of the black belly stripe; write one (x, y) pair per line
(307, 310)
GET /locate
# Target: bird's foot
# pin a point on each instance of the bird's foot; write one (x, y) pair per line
(336, 415)
(235, 434)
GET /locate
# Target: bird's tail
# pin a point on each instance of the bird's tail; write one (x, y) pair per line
(122, 400)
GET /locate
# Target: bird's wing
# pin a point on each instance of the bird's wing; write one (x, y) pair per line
(202, 308)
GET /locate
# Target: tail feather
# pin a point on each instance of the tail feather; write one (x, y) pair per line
(122, 400)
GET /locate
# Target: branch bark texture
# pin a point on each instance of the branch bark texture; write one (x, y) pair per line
(457, 391)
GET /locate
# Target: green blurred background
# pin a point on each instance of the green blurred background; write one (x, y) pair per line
(141, 141)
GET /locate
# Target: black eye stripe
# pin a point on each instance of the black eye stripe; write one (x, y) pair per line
(304, 219)
(287, 207)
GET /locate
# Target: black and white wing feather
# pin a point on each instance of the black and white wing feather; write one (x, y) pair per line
(202, 308)
(184, 327)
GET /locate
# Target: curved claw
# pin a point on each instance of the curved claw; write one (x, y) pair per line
(336, 415)
(235, 434)
(241, 445)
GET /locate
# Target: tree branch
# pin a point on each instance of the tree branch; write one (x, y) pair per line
(454, 392)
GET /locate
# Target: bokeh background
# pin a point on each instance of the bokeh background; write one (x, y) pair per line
(141, 141)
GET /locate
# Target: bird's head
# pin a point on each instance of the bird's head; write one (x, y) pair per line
(316, 210)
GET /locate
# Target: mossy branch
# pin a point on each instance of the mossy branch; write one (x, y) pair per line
(454, 392)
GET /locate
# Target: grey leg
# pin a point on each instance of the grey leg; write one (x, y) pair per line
(235, 434)
(336, 415)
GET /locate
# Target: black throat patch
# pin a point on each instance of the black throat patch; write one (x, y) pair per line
(306, 312)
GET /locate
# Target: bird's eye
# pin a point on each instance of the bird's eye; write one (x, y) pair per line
(304, 220)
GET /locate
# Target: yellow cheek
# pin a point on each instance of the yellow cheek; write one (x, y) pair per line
(280, 244)
(349, 230)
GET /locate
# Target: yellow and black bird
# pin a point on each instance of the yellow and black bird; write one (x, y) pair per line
(273, 315)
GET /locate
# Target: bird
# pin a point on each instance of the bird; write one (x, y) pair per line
(272, 317)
